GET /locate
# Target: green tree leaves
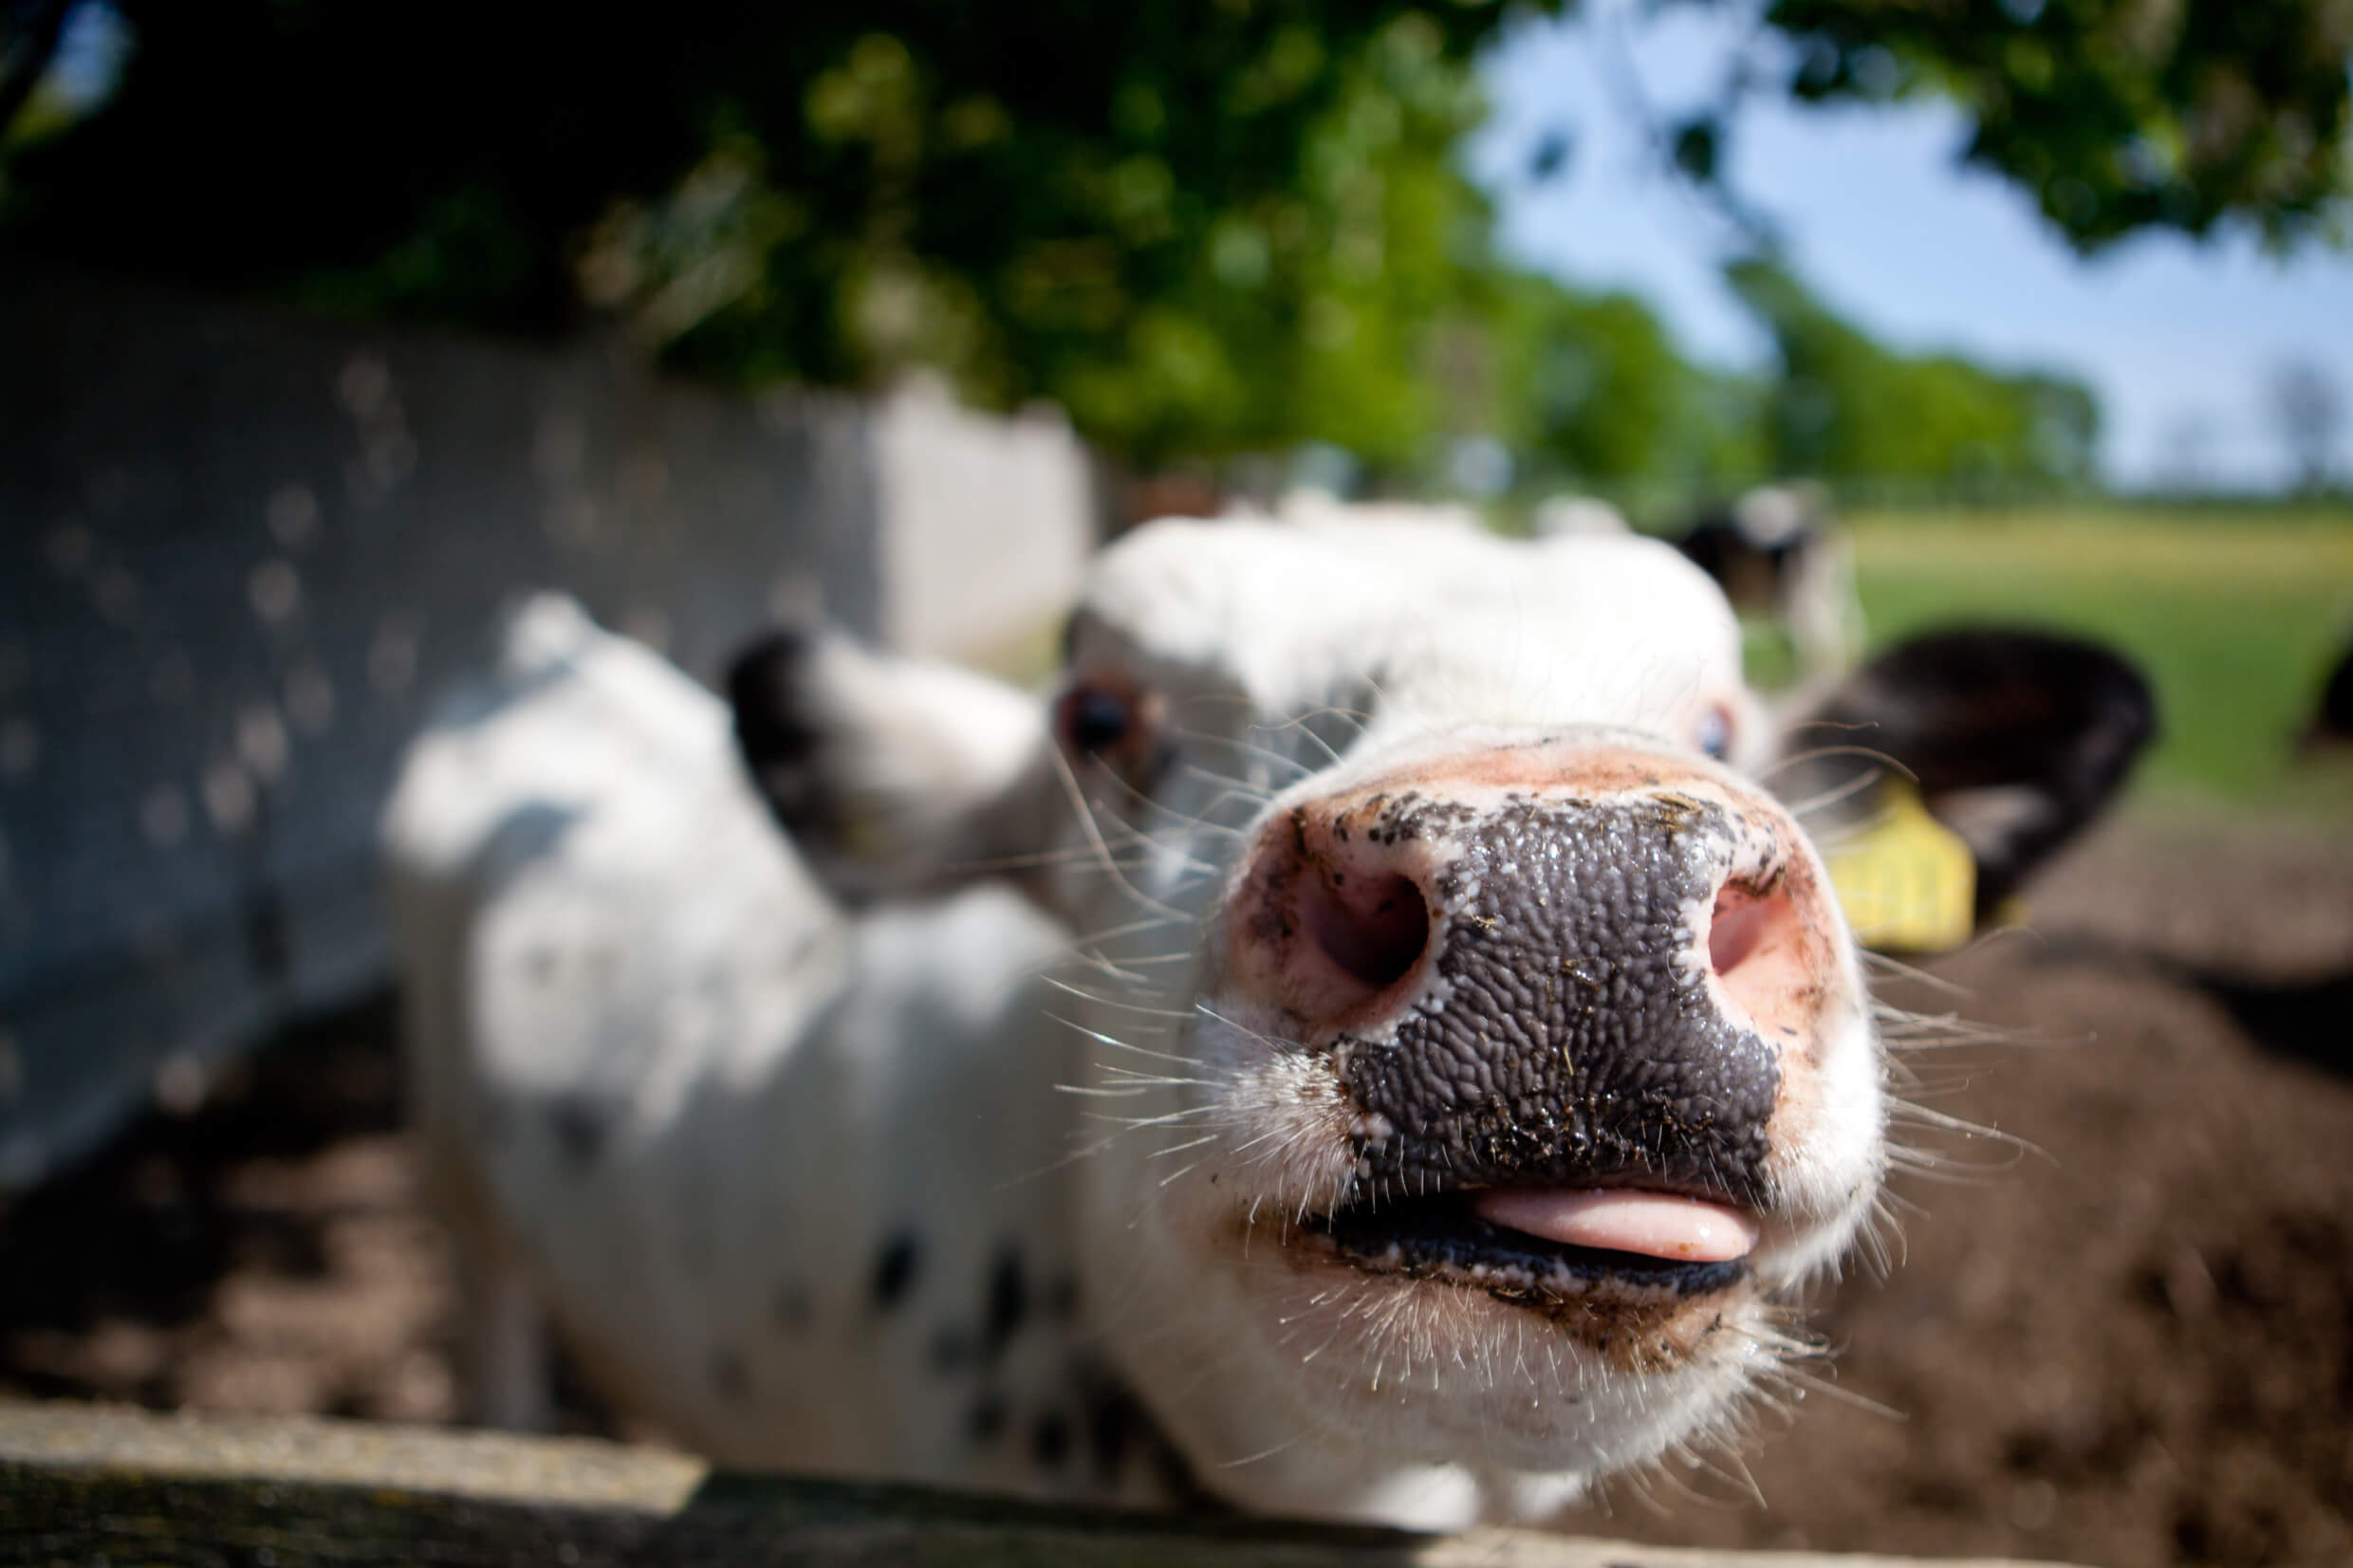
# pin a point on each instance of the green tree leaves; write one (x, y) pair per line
(2117, 115)
(1845, 408)
(1203, 228)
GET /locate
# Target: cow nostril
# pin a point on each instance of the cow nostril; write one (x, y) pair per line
(1758, 954)
(1736, 928)
(1375, 929)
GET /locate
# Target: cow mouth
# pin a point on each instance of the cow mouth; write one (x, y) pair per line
(1546, 1247)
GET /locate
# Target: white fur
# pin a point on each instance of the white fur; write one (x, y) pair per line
(637, 936)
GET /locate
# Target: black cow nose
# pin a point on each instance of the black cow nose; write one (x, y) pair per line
(1540, 985)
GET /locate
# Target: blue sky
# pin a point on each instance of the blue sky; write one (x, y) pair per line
(2179, 340)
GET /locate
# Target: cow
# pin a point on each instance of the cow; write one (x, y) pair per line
(1366, 1044)
(1778, 552)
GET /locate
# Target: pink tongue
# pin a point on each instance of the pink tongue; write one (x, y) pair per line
(1656, 1224)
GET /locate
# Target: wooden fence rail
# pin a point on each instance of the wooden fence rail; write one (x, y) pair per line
(83, 1485)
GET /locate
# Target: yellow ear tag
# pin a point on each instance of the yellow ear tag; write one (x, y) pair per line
(1907, 881)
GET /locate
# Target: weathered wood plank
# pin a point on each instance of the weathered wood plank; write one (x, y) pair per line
(83, 1484)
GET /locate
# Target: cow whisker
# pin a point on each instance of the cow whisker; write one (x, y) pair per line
(1077, 796)
(1828, 797)
(1908, 972)
(1782, 765)
(1061, 985)
(1117, 1044)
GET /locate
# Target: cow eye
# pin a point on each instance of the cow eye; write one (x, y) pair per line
(1092, 720)
(1714, 733)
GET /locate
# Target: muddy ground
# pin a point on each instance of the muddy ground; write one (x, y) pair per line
(2125, 1338)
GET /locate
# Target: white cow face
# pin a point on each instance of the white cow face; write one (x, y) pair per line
(1479, 1051)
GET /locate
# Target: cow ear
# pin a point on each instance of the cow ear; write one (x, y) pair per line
(892, 776)
(2014, 740)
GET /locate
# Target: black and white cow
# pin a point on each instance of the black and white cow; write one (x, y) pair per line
(1779, 552)
(1367, 1046)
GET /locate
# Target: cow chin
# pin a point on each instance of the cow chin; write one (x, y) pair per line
(1296, 1380)
(1301, 1371)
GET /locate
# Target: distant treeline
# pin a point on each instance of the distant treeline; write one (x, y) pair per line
(1202, 230)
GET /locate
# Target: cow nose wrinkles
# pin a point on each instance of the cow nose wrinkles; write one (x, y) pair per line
(1530, 986)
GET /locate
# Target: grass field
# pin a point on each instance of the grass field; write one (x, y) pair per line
(2235, 620)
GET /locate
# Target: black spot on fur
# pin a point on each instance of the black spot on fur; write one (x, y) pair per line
(1008, 1302)
(794, 1309)
(987, 1418)
(894, 1271)
(1049, 1441)
(2333, 719)
(777, 737)
(1115, 1422)
(1110, 1429)
(1119, 1428)
(580, 1125)
(951, 1350)
(730, 1377)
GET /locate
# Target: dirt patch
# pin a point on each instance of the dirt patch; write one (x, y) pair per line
(2130, 1342)
(264, 1254)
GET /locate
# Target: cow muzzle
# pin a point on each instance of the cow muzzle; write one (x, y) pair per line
(1564, 990)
